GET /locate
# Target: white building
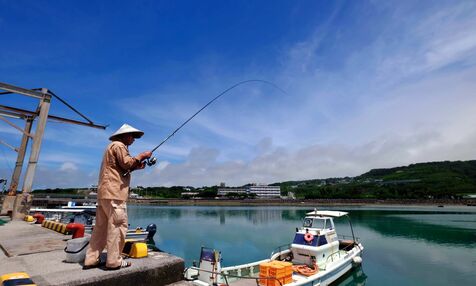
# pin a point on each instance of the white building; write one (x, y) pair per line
(261, 191)
(265, 191)
(225, 191)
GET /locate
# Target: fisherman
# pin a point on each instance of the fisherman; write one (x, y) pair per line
(113, 190)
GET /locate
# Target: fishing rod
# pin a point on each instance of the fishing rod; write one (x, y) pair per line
(152, 160)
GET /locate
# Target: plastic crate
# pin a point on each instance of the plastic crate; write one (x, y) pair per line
(280, 271)
(280, 281)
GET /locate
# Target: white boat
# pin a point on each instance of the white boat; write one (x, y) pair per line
(317, 256)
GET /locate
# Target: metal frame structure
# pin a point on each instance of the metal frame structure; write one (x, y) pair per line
(44, 96)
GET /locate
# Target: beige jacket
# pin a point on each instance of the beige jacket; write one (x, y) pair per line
(115, 163)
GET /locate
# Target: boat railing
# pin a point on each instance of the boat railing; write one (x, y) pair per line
(357, 239)
(227, 278)
(341, 252)
(280, 249)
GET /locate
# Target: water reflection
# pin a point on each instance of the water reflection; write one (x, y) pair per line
(392, 225)
(399, 245)
(388, 223)
(255, 215)
(355, 277)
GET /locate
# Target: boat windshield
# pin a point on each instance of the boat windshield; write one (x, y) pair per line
(319, 223)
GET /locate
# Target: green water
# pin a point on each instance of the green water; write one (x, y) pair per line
(403, 245)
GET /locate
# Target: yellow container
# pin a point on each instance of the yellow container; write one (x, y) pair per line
(29, 218)
(138, 250)
(17, 278)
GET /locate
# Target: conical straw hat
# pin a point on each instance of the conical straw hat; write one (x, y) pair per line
(126, 128)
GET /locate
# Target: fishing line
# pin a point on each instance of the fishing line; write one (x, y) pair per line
(211, 101)
(151, 161)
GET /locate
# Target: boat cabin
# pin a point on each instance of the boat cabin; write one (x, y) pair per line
(318, 222)
(316, 239)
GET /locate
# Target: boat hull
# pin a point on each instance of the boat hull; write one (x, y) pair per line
(333, 271)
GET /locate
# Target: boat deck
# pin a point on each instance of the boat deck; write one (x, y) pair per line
(296, 277)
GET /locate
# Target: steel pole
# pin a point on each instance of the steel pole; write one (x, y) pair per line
(20, 157)
(23, 201)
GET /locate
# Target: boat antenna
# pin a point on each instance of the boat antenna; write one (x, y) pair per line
(151, 161)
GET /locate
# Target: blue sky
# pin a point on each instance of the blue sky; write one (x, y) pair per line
(369, 84)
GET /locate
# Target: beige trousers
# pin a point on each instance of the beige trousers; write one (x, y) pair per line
(110, 232)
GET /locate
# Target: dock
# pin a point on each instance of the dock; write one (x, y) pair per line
(30, 248)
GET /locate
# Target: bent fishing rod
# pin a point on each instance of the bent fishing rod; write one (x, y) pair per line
(152, 160)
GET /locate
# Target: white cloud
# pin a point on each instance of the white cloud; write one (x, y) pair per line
(405, 94)
(401, 107)
(68, 166)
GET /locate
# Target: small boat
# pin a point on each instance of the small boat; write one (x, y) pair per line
(86, 215)
(317, 256)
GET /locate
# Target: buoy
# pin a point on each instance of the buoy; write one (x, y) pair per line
(76, 228)
(357, 260)
(39, 218)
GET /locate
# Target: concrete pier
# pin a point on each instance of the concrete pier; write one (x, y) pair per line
(40, 253)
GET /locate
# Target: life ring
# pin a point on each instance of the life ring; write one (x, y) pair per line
(308, 237)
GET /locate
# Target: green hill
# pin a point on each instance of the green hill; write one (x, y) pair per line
(423, 180)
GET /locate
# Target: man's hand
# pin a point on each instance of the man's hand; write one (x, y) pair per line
(141, 166)
(141, 158)
(144, 155)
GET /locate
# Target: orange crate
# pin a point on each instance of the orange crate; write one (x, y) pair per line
(276, 282)
(273, 282)
(283, 268)
(263, 282)
(264, 268)
(278, 271)
(282, 263)
(263, 273)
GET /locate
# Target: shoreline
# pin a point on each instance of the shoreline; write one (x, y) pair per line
(285, 202)
(470, 202)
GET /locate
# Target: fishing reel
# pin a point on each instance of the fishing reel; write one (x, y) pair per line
(151, 161)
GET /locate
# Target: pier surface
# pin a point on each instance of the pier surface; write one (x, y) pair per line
(38, 251)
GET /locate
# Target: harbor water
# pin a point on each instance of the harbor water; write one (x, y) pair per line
(403, 245)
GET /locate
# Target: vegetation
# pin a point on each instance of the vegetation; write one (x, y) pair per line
(423, 180)
(72, 191)
(439, 180)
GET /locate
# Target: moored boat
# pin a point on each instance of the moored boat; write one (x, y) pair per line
(317, 256)
(86, 215)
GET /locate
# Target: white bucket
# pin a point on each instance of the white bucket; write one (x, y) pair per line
(76, 249)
